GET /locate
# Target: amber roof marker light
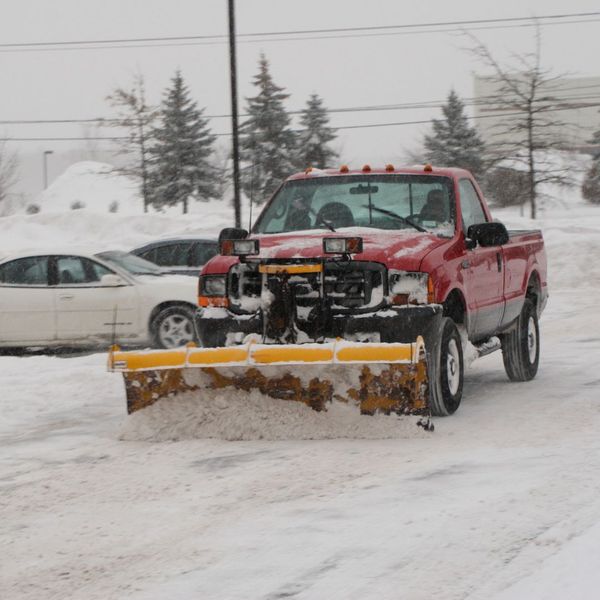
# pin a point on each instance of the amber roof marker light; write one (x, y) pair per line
(427, 168)
(366, 169)
(344, 169)
(389, 168)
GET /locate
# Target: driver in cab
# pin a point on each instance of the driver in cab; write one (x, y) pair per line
(434, 208)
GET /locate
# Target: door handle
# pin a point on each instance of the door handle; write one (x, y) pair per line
(465, 264)
(66, 296)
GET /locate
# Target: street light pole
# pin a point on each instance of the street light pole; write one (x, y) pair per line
(234, 118)
(46, 153)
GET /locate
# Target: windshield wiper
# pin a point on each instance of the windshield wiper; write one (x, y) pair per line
(321, 220)
(391, 213)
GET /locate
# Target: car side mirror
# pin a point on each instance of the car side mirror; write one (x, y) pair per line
(111, 280)
(232, 233)
(488, 234)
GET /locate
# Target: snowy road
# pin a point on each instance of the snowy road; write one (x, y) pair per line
(502, 501)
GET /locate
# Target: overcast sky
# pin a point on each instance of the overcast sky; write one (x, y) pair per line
(399, 67)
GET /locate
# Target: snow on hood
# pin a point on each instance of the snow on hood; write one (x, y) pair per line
(399, 249)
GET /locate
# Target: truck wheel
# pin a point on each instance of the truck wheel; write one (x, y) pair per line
(521, 346)
(446, 371)
(173, 327)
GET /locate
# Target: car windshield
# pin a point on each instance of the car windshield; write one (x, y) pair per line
(131, 263)
(422, 202)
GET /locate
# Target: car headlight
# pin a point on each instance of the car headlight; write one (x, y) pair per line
(213, 285)
(410, 287)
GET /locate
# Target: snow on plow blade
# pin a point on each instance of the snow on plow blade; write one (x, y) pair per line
(376, 377)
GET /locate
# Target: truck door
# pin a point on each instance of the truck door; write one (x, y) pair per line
(482, 270)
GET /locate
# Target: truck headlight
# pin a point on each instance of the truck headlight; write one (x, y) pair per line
(342, 245)
(212, 291)
(410, 287)
(213, 285)
(240, 247)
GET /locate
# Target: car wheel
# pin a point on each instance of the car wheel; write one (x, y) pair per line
(521, 346)
(446, 371)
(173, 327)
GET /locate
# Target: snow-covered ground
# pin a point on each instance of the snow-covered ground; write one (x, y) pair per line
(501, 502)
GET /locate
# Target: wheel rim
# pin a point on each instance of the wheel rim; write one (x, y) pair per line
(453, 367)
(531, 339)
(175, 330)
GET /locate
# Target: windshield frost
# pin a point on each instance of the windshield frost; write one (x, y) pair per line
(378, 201)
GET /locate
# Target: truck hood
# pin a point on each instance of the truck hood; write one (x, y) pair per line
(400, 249)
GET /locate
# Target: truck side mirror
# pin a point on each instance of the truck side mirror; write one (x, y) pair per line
(488, 234)
(232, 233)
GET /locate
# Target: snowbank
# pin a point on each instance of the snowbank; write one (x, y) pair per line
(108, 230)
(94, 187)
(97, 188)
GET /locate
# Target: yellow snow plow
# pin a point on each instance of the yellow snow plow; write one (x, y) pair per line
(390, 378)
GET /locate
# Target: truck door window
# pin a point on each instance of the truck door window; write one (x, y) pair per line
(470, 205)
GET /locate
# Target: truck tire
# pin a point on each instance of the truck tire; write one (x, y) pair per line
(173, 327)
(521, 346)
(446, 371)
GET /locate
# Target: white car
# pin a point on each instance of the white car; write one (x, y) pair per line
(72, 299)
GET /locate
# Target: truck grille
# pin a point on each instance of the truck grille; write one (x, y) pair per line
(347, 285)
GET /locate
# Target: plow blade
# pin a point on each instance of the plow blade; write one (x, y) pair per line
(376, 377)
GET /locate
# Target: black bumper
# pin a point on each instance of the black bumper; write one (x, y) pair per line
(394, 324)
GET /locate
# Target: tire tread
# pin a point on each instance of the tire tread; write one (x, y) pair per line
(514, 347)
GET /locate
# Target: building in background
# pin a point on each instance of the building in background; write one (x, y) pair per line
(577, 106)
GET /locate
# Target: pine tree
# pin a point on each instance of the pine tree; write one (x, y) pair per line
(313, 139)
(180, 168)
(267, 143)
(590, 189)
(453, 142)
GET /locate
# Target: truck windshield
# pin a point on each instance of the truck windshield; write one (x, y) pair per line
(378, 201)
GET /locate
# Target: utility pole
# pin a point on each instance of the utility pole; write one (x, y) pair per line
(46, 153)
(237, 203)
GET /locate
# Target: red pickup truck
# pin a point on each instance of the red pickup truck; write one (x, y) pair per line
(404, 252)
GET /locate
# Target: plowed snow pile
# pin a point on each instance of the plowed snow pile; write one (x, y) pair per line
(96, 190)
(253, 416)
(92, 187)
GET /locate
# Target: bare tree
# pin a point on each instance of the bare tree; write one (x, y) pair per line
(8, 170)
(528, 124)
(136, 117)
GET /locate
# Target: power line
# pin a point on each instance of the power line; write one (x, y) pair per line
(344, 31)
(366, 126)
(291, 39)
(419, 105)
